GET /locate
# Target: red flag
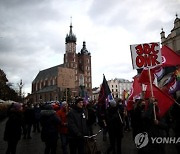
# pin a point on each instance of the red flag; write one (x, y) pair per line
(164, 100)
(135, 93)
(144, 76)
(169, 57)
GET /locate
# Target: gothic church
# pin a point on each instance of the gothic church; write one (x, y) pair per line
(45, 87)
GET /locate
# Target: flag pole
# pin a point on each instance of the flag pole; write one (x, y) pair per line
(66, 94)
(152, 94)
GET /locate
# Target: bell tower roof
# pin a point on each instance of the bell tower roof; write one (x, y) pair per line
(70, 37)
(84, 50)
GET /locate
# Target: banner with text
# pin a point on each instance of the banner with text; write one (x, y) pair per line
(146, 55)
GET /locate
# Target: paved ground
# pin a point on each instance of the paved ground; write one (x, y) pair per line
(36, 146)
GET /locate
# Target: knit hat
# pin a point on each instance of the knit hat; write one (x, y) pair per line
(78, 100)
(112, 103)
(64, 103)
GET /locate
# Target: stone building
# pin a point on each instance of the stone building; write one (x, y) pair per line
(117, 87)
(45, 86)
(173, 39)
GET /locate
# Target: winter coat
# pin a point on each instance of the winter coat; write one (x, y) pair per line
(77, 123)
(91, 116)
(13, 126)
(37, 114)
(29, 115)
(114, 121)
(62, 114)
(49, 122)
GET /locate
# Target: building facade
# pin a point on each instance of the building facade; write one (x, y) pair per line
(45, 85)
(117, 87)
(173, 39)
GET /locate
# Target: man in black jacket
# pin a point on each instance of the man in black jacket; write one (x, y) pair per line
(77, 127)
(114, 119)
(49, 123)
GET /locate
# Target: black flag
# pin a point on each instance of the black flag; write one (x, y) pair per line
(104, 92)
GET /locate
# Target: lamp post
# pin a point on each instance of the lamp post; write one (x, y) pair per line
(81, 93)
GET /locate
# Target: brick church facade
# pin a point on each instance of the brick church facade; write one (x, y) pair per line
(45, 85)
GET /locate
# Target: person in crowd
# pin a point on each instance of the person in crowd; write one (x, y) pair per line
(101, 115)
(37, 111)
(29, 120)
(155, 126)
(91, 117)
(126, 119)
(114, 118)
(12, 133)
(77, 127)
(63, 129)
(137, 117)
(49, 133)
(175, 112)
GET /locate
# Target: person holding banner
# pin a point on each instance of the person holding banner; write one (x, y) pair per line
(155, 126)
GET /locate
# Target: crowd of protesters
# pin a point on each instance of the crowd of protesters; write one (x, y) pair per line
(72, 121)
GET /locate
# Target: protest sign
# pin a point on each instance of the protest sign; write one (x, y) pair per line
(146, 55)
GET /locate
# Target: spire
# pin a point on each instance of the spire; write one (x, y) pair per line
(176, 22)
(177, 19)
(162, 33)
(84, 50)
(70, 37)
(70, 32)
(176, 15)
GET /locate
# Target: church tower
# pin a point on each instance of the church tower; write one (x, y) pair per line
(70, 60)
(84, 64)
(45, 85)
(81, 62)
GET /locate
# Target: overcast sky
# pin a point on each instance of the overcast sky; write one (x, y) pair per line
(32, 34)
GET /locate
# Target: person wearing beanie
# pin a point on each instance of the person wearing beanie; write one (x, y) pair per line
(114, 122)
(77, 127)
(112, 103)
(49, 134)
